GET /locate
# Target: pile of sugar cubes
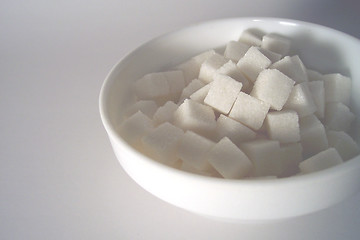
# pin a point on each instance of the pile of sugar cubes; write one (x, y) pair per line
(252, 112)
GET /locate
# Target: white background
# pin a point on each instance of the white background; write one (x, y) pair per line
(59, 178)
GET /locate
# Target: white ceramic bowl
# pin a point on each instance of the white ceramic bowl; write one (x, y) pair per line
(321, 48)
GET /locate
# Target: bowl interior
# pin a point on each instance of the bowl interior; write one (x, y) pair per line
(320, 48)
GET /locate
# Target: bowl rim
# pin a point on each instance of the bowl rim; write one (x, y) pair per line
(113, 134)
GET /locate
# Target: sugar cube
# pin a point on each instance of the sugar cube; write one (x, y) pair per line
(176, 83)
(318, 95)
(261, 178)
(314, 75)
(338, 117)
(190, 69)
(209, 67)
(276, 43)
(193, 86)
(253, 63)
(273, 87)
(283, 126)
(193, 149)
(265, 156)
(292, 67)
(323, 160)
(234, 130)
(290, 157)
(337, 88)
(200, 94)
(229, 160)
(148, 107)
(343, 143)
(230, 69)
(164, 113)
(262, 132)
(202, 57)
(161, 143)
(251, 37)
(153, 86)
(196, 117)
(134, 128)
(272, 56)
(301, 100)
(235, 50)
(222, 93)
(249, 111)
(313, 135)
(189, 168)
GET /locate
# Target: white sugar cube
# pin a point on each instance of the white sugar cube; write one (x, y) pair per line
(261, 178)
(200, 94)
(190, 70)
(338, 116)
(343, 143)
(235, 50)
(202, 57)
(249, 111)
(283, 126)
(164, 113)
(318, 95)
(189, 168)
(276, 43)
(222, 93)
(153, 86)
(176, 83)
(209, 67)
(323, 160)
(148, 107)
(234, 130)
(229, 160)
(193, 86)
(161, 143)
(196, 117)
(314, 75)
(337, 88)
(265, 156)
(290, 157)
(134, 128)
(273, 56)
(272, 87)
(253, 63)
(230, 69)
(251, 37)
(313, 135)
(193, 150)
(262, 132)
(292, 67)
(301, 100)
(191, 67)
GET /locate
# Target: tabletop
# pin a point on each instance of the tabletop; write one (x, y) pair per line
(59, 178)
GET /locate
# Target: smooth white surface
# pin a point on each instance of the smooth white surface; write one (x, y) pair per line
(58, 176)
